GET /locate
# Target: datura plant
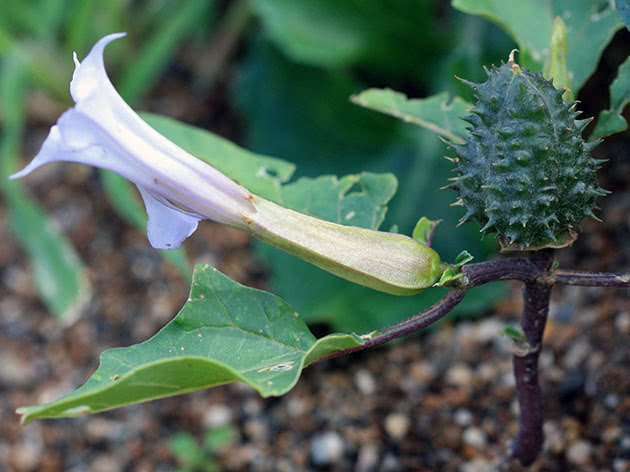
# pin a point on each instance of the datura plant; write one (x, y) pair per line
(179, 190)
(523, 171)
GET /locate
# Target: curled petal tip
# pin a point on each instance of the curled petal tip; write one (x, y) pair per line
(89, 74)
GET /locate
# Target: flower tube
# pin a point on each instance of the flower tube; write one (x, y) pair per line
(179, 190)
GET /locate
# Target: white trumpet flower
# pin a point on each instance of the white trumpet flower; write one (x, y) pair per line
(179, 190)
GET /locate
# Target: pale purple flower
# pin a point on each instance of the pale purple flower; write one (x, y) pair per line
(179, 190)
(103, 131)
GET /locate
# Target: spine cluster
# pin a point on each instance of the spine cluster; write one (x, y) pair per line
(524, 170)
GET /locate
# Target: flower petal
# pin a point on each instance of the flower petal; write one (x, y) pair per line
(89, 75)
(168, 226)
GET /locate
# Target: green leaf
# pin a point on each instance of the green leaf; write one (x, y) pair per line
(218, 438)
(224, 333)
(328, 33)
(590, 26)
(185, 448)
(424, 230)
(58, 273)
(436, 113)
(611, 121)
(463, 258)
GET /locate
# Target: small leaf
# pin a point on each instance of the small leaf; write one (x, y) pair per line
(185, 448)
(423, 232)
(224, 333)
(435, 113)
(611, 121)
(218, 438)
(449, 275)
(462, 258)
(516, 334)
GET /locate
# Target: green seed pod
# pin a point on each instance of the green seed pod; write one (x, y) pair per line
(524, 170)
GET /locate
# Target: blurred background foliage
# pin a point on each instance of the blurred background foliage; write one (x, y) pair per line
(275, 76)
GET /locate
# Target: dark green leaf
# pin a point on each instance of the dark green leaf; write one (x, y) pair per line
(224, 333)
(611, 121)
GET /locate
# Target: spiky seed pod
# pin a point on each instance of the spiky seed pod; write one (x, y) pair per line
(524, 170)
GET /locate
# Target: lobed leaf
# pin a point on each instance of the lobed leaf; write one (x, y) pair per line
(612, 121)
(225, 332)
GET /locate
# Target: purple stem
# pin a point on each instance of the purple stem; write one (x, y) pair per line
(588, 279)
(536, 294)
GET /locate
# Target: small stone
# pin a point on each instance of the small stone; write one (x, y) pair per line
(368, 458)
(422, 372)
(621, 465)
(460, 375)
(463, 417)
(397, 425)
(327, 448)
(579, 452)
(624, 444)
(475, 437)
(218, 415)
(256, 429)
(622, 322)
(489, 329)
(365, 382)
(611, 400)
(476, 465)
(577, 353)
(611, 434)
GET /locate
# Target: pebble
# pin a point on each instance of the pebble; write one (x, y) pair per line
(463, 417)
(422, 372)
(368, 458)
(397, 425)
(611, 400)
(475, 437)
(579, 452)
(460, 375)
(327, 448)
(365, 382)
(489, 329)
(577, 353)
(622, 322)
(217, 415)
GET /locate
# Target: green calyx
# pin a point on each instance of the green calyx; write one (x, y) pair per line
(524, 170)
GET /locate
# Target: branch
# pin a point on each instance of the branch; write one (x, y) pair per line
(410, 325)
(587, 279)
(514, 268)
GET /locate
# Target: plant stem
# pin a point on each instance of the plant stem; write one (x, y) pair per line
(588, 279)
(536, 294)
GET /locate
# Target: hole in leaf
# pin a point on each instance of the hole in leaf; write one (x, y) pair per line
(356, 188)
